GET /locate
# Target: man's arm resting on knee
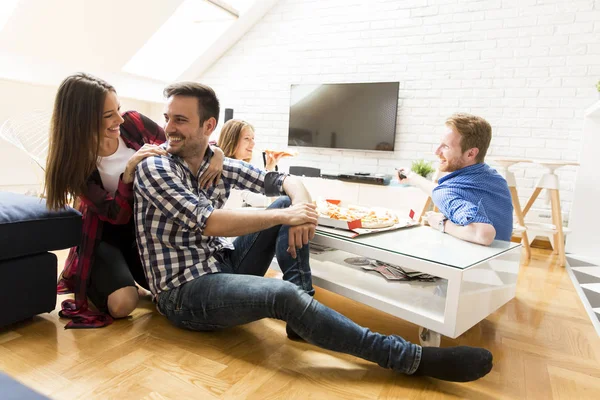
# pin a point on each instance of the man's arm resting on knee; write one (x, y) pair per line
(237, 223)
(158, 183)
(299, 235)
(230, 223)
(301, 217)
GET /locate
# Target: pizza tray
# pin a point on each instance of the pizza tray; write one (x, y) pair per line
(355, 228)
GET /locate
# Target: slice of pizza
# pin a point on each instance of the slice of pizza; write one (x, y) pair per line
(281, 153)
(376, 219)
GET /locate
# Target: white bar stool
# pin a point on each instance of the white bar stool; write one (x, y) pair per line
(549, 181)
(520, 227)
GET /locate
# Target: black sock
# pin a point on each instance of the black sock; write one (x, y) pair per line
(291, 334)
(457, 364)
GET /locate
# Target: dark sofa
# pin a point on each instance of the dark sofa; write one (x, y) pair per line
(28, 272)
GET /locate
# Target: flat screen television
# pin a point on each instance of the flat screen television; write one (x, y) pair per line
(359, 116)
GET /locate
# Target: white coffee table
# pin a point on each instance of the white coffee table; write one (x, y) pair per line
(474, 280)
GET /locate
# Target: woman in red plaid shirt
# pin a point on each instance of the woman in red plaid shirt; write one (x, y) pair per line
(94, 150)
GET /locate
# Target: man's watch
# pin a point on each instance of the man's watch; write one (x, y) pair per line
(442, 225)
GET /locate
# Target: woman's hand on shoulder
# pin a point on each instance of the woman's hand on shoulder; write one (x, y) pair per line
(144, 152)
(212, 175)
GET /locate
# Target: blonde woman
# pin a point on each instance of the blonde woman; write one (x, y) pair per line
(237, 141)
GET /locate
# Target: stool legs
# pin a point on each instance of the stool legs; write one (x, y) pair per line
(521, 221)
(549, 181)
(559, 236)
(512, 187)
(532, 199)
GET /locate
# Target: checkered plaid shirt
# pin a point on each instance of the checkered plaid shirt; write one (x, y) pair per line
(171, 211)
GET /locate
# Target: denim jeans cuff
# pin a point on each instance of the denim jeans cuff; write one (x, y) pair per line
(417, 360)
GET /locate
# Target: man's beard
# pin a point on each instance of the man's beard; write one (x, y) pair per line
(188, 151)
(175, 151)
(452, 166)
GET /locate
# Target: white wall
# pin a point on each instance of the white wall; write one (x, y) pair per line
(45, 40)
(528, 66)
(17, 172)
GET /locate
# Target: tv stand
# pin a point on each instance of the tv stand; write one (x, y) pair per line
(362, 177)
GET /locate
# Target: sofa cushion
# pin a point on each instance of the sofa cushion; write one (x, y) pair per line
(27, 227)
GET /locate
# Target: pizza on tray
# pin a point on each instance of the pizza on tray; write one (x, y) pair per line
(370, 218)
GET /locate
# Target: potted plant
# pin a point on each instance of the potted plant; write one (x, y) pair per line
(422, 167)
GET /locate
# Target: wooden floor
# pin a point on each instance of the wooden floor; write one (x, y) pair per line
(543, 343)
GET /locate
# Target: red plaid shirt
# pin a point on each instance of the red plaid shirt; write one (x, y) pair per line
(98, 207)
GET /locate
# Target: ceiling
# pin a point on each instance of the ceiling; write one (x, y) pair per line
(45, 40)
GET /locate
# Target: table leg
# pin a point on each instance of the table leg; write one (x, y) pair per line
(429, 338)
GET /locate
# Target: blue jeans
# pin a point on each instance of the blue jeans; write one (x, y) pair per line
(241, 294)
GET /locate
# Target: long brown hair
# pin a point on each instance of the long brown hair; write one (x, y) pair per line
(230, 136)
(74, 137)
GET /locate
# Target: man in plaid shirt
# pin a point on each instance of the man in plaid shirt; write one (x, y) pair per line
(203, 282)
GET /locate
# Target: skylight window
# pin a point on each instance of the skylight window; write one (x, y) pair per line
(301, 92)
(186, 35)
(6, 9)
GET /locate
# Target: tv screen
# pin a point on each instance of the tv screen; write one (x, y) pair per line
(360, 116)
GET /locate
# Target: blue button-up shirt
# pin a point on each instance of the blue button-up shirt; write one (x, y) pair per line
(476, 193)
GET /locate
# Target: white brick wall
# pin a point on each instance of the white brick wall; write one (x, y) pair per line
(528, 66)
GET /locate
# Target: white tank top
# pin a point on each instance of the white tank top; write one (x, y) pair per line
(111, 167)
